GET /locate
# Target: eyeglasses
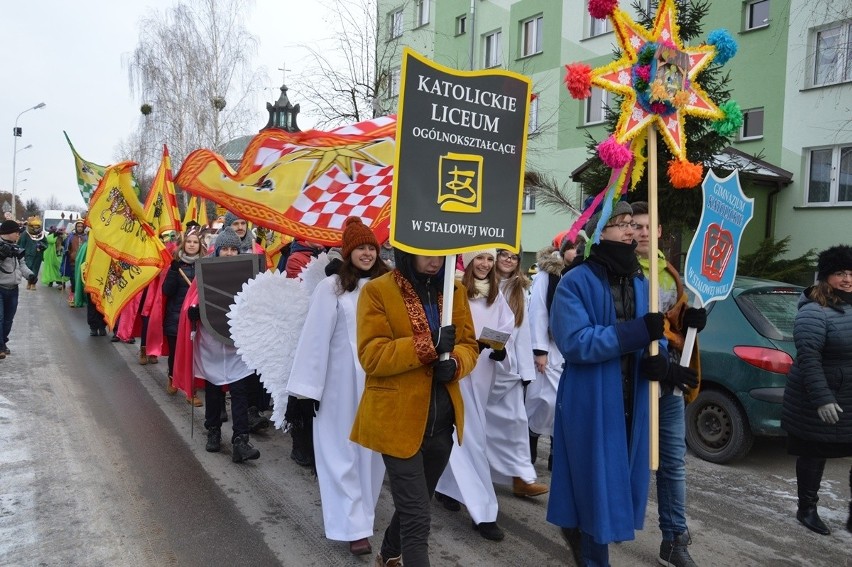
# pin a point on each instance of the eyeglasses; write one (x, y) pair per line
(622, 225)
(508, 256)
(843, 274)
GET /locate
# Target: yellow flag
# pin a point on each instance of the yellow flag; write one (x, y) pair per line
(161, 205)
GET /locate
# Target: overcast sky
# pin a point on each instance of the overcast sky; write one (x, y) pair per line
(70, 56)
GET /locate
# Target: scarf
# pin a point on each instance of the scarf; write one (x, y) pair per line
(186, 258)
(618, 258)
(481, 288)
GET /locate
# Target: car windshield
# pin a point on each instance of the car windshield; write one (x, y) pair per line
(771, 311)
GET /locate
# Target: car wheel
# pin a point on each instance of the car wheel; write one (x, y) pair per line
(717, 428)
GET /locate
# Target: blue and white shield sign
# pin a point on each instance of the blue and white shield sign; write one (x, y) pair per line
(711, 263)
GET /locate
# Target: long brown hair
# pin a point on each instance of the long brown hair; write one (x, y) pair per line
(349, 274)
(469, 281)
(515, 290)
(823, 293)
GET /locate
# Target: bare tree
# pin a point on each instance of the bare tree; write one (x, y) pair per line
(345, 78)
(192, 72)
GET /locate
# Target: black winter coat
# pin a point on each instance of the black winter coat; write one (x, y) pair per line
(174, 290)
(821, 373)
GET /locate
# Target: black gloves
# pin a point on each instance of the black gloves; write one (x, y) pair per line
(444, 370)
(654, 324)
(444, 339)
(654, 368)
(682, 377)
(482, 346)
(333, 267)
(498, 355)
(194, 313)
(696, 318)
(32, 279)
(308, 407)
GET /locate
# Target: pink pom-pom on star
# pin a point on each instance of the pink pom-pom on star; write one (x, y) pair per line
(578, 80)
(613, 154)
(600, 9)
(644, 72)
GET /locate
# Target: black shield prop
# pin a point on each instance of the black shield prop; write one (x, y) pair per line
(219, 280)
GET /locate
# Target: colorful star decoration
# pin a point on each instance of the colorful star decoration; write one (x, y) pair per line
(656, 75)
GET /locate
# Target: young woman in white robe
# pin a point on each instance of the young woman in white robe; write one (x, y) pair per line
(508, 429)
(326, 373)
(541, 393)
(467, 477)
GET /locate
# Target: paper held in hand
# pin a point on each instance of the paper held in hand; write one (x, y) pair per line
(494, 339)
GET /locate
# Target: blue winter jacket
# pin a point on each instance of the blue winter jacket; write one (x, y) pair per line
(600, 482)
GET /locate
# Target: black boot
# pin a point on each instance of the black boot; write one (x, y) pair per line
(808, 478)
(533, 446)
(303, 446)
(257, 422)
(214, 439)
(242, 449)
(849, 521)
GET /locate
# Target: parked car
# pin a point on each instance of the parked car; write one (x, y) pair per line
(746, 350)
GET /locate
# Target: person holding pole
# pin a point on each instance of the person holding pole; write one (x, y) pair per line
(413, 360)
(601, 325)
(671, 474)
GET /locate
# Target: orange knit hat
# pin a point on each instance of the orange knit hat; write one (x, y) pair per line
(356, 233)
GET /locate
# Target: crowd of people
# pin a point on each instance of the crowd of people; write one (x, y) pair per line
(449, 404)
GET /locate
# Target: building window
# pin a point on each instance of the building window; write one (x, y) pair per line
(603, 25)
(493, 49)
(531, 36)
(461, 24)
(830, 175)
(833, 56)
(528, 206)
(395, 24)
(596, 106)
(393, 82)
(752, 124)
(757, 14)
(422, 10)
(533, 113)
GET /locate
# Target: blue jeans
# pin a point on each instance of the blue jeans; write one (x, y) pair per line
(671, 474)
(8, 307)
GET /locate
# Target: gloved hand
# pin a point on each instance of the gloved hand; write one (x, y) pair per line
(695, 318)
(444, 339)
(830, 413)
(682, 377)
(654, 324)
(194, 313)
(308, 407)
(32, 279)
(333, 266)
(444, 370)
(498, 355)
(482, 346)
(654, 368)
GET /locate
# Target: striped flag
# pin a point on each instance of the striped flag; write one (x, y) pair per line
(89, 174)
(161, 208)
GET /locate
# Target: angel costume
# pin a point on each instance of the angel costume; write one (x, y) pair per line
(541, 394)
(467, 477)
(326, 368)
(508, 430)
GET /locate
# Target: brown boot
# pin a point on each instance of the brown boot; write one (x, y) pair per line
(170, 388)
(152, 359)
(143, 358)
(194, 401)
(392, 562)
(521, 488)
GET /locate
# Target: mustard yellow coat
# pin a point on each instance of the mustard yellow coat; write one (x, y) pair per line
(395, 349)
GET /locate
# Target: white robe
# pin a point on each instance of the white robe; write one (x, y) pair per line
(541, 394)
(508, 433)
(326, 368)
(216, 362)
(467, 477)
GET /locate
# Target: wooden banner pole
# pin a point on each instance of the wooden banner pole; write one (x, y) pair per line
(654, 297)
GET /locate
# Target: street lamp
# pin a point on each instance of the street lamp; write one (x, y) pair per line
(16, 133)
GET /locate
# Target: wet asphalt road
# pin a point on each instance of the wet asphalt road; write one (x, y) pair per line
(98, 466)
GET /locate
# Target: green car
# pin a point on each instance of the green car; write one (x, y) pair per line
(746, 350)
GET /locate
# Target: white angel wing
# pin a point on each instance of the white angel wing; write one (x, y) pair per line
(312, 274)
(266, 320)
